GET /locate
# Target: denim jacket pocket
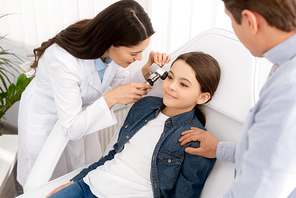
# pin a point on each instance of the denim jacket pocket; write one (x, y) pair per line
(168, 166)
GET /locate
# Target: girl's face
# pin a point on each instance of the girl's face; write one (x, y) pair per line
(124, 56)
(181, 90)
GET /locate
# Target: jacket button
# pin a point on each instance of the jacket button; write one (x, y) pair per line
(155, 185)
(127, 137)
(153, 157)
(146, 120)
(169, 160)
(126, 127)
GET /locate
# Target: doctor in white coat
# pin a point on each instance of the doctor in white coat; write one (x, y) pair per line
(73, 70)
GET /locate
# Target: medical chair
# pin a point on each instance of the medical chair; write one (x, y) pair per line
(242, 78)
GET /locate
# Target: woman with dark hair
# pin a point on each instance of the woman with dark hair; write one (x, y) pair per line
(148, 160)
(73, 70)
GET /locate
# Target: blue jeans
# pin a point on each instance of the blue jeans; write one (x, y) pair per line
(77, 190)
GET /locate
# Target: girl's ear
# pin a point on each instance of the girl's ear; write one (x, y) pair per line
(203, 98)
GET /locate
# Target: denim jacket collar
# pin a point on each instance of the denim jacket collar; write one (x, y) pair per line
(181, 118)
(177, 119)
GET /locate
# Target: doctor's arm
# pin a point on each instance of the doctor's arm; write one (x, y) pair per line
(126, 90)
(76, 122)
(123, 76)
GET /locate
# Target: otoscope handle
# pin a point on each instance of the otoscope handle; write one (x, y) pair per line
(149, 82)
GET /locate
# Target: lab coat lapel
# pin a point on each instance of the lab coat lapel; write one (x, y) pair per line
(95, 80)
(110, 72)
(93, 77)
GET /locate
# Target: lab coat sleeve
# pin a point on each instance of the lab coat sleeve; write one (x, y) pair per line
(123, 76)
(76, 122)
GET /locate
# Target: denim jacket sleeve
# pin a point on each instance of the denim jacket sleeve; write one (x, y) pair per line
(191, 179)
(85, 171)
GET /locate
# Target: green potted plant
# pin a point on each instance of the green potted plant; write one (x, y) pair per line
(10, 91)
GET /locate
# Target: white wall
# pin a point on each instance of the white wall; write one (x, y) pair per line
(176, 21)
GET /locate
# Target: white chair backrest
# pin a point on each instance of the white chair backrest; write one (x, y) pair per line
(242, 76)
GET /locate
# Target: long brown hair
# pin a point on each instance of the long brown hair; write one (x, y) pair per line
(207, 73)
(278, 13)
(124, 23)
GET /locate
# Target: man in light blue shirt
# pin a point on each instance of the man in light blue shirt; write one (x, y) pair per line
(265, 155)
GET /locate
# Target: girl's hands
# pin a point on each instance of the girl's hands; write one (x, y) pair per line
(60, 188)
(126, 94)
(155, 57)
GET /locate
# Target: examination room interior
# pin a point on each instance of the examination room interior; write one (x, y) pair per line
(25, 24)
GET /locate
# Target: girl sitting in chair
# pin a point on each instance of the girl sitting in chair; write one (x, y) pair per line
(148, 159)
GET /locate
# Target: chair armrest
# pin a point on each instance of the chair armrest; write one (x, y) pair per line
(45, 189)
(47, 159)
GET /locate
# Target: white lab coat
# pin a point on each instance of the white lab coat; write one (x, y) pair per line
(68, 89)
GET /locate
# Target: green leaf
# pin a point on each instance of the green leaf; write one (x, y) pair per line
(22, 81)
(11, 91)
(8, 102)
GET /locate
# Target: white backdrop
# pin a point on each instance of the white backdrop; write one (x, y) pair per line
(30, 22)
(176, 21)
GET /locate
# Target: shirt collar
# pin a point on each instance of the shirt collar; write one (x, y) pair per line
(99, 64)
(282, 52)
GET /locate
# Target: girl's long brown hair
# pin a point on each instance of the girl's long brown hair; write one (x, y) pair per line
(207, 73)
(124, 23)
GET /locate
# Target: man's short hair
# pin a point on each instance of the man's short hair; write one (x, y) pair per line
(278, 13)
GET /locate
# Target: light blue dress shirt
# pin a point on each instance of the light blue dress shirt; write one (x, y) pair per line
(265, 156)
(101, 66)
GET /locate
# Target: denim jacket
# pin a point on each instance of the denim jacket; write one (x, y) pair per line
(174, 173)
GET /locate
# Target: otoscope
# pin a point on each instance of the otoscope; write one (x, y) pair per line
(159, 73)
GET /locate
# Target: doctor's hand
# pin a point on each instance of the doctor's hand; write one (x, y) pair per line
(126, 94)
(60, 188)
(155, 57)
(208, 142)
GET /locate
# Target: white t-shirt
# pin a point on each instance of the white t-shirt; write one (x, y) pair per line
(128, 174)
